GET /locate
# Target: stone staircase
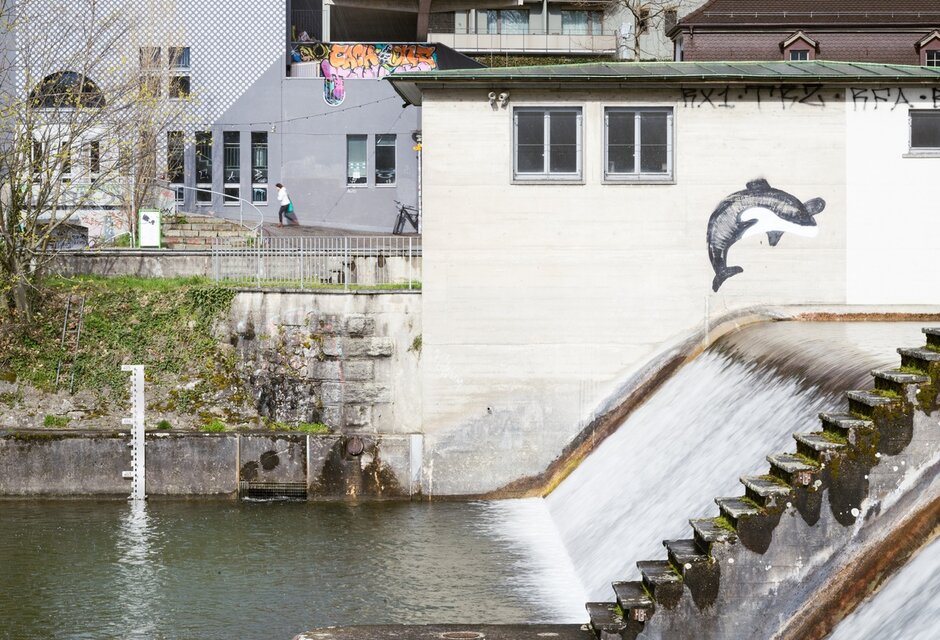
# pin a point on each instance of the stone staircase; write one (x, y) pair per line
(200, 231)
(749, 572)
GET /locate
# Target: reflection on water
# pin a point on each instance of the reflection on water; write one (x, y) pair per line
(215, 569)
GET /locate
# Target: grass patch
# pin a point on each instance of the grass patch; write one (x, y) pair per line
(214, 426)
(55, 421)
(416, 345)
(164, 324)
(723, 523)
(326, 286)
(164, 424)
(305, 427)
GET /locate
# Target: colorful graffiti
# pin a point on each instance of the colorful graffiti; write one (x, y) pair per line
(358, 60)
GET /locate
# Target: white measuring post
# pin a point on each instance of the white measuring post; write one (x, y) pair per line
(136, 422)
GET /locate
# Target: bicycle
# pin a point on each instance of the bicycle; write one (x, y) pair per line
(407, 214)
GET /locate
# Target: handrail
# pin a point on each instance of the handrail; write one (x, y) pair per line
(257, 229)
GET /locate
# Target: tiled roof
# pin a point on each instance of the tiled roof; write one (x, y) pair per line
(797, 13)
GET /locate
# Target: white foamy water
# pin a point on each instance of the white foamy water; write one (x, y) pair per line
(714, 421)
(907, 607)
(546, 574)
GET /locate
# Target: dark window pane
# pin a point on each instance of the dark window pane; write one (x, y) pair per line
(231, 195)
(925, 129)
(204, 157)
(178, 57)
(530, 127)
(203, 196)
(231, 157)
(259, 194)
(179, 86)
(149, 57)
(94, 156)
(174, 156)
(563, 128)
(259, 157)
(564, 158)
(385, 159)
(531, 158)
(653, 134)
(621, 141)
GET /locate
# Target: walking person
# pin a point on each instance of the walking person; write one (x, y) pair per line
(287, 207)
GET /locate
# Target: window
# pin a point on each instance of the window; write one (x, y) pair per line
(799, 54)
(259, 166)
(149, 81)
(643, 23)
(925, 130)
(179, 72)
(94, 158)
(507, 21)
(638, 144)
(203, 167)
(231, 166)
(547, 143)
(932, 58)
(670, 17)
(385, 158)
(582, 23)
(356, 159)
(175, 162)
(39, 156)
(65, 157)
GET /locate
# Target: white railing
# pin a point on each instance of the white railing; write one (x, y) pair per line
(314, 262)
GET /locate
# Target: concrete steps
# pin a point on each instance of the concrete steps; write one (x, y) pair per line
(690, 564)
(200, 231)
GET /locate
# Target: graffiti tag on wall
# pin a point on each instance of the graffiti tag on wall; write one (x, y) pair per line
(759, 208)
(813, 95)
(340, 61)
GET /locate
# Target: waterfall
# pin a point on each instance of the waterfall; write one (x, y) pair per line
(715, 420)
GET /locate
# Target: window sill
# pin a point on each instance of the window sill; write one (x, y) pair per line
(665, 180)
(544, 180)
(927, 153)
(358, 186)
(390, 185)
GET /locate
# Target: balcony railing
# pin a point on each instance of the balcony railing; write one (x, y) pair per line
(532, 42)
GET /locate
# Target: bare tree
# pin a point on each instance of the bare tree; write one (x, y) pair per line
(646, 22)
(78, 131)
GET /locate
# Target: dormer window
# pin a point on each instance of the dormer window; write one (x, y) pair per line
(929, 50)
(799, 46)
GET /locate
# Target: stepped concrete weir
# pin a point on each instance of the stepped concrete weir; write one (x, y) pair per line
(810, 537)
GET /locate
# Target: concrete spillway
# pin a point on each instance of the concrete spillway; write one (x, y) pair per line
(712, 422)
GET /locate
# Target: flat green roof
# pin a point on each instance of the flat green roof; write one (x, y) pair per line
(644, 74)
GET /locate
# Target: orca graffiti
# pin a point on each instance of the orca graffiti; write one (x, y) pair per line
(758, 209)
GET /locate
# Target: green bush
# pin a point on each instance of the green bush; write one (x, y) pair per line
(164, 424)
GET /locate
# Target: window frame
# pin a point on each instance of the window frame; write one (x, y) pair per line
(231, 148)
(547, 176)
(499, 22)
(203, 197)
(258, 187)
(180, 75)
(798, 55)
(375, 169)
(365, 161)
(932, 53)
(638, 176)
(928, 152)
(594, 24)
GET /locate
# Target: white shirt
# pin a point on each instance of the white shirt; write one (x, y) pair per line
(282, 197)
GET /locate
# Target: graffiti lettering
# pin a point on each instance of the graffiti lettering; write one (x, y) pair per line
(810, 95)
(342, 61)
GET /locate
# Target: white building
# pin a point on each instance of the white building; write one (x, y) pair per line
(581, 219)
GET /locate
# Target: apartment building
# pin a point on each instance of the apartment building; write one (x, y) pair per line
(261, 95)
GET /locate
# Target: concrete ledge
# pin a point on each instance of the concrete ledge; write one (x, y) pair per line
(452, 632)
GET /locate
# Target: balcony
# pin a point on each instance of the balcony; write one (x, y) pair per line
(533, 42)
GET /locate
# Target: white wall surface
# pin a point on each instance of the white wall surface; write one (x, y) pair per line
(894, 226)
(540, 299)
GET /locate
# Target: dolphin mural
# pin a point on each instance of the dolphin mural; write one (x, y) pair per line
(758, 209)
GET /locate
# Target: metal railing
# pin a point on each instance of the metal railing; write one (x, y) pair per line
(316, 262)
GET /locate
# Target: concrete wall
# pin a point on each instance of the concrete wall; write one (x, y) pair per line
(583, 282)
(358, 350)
(40, 463)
